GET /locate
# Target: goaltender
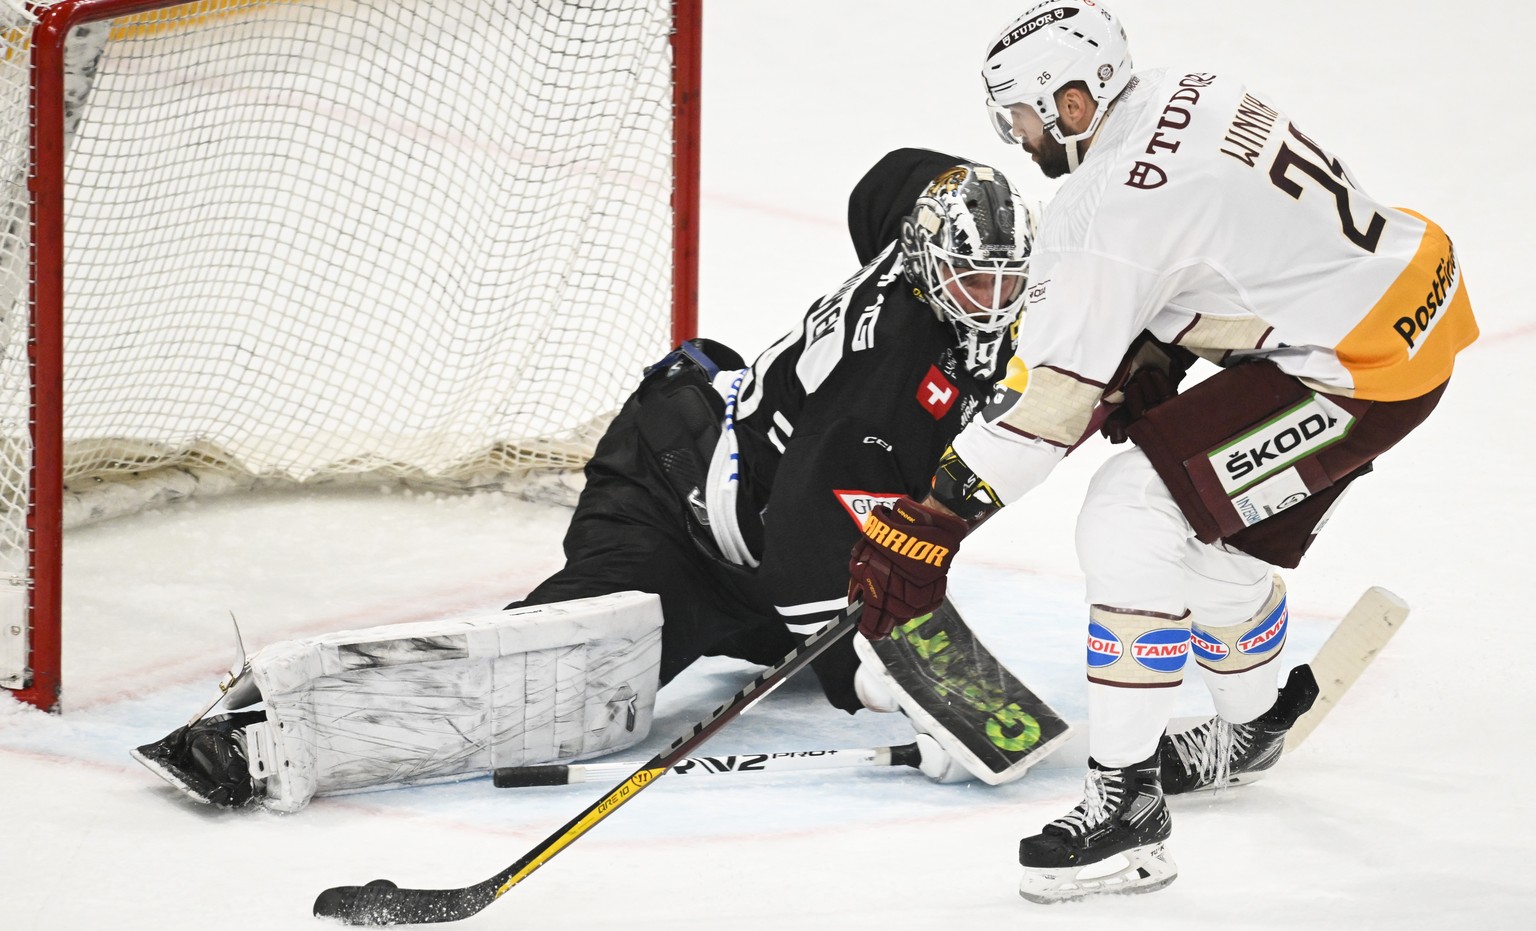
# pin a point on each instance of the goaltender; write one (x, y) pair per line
(716, 519)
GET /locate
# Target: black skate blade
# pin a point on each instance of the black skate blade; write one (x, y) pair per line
(188, 784)
(168, 759)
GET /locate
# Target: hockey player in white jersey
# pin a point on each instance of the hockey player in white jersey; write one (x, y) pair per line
(1196, 219)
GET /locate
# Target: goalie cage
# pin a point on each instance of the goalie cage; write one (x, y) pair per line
(251, 241)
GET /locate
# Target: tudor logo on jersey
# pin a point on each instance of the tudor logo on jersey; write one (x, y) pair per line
(936, 393)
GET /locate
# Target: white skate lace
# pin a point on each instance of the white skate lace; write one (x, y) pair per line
(1210, 749)
(1097, 798)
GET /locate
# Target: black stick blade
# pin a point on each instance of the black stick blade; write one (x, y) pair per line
(381, 902)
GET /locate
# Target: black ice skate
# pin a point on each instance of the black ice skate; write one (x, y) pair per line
(1112, 843)
(1217, 754)
(206, 760)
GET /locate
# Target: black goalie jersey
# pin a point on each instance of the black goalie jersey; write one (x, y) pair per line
(852, 408)
(740, 508)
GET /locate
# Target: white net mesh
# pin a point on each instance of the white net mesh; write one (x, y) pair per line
(319, 238)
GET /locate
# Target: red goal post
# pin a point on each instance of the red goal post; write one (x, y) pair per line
(289, 240)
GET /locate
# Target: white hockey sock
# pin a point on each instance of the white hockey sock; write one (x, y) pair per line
(1125, 724)
(1241, 697)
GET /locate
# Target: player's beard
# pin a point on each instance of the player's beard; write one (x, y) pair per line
(1050, 155)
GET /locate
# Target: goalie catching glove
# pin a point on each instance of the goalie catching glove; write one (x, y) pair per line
(899, 565)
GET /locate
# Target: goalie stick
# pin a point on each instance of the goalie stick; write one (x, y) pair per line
(381, 902)
(560, 774)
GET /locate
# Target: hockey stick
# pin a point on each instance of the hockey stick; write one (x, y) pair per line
(1360, 636)
(381, 902)
(1351, 647)
(560, 774)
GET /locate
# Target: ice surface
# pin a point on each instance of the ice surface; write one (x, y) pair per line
(1408, 808)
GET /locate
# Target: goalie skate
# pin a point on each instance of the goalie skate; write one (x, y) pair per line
(1110, 844)
(206, 760)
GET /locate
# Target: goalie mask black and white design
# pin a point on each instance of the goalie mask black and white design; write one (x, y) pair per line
(965, 249)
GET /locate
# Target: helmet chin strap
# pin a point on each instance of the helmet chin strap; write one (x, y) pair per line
(1076, 144)
(1074, 147)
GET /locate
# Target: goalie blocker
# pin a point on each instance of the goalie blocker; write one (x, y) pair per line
(434, 701)
(974, 718)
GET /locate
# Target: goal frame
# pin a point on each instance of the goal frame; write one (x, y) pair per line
(45, 525)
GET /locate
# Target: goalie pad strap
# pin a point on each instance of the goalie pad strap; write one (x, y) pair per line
(410, 704)
(1130, 649)
(1239, 647)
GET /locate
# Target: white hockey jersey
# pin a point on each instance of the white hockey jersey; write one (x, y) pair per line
(1202, 214)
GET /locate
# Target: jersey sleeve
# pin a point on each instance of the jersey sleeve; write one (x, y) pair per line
(1074, 336)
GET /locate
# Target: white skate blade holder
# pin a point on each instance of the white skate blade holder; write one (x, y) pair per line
(1362, 634)
(1138, 870)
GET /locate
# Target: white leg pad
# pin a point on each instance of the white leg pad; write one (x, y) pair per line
(435, 701)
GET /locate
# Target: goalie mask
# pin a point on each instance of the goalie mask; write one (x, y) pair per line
(1052, 45)
(965, 250)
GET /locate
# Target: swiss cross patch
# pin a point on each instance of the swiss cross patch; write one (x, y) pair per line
(936, 393)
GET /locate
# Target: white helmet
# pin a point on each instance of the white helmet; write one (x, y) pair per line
(1052, 45)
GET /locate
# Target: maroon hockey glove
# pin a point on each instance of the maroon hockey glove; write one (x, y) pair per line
(898, 567)
(1145, 390)
(1148, 375)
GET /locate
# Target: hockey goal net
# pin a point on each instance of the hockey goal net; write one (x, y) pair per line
(253, 241)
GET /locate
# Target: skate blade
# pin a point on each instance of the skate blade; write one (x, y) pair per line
(1217, 788)
(170, 775)
(1145, 869)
